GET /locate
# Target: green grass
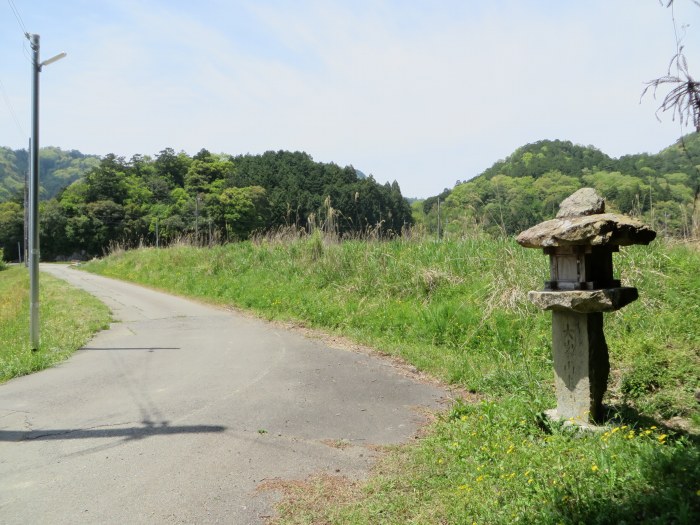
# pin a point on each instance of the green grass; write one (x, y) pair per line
(459, 311)
(491, 462)
(67, 319)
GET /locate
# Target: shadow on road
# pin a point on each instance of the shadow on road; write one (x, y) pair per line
(147, 430)
(144, 348)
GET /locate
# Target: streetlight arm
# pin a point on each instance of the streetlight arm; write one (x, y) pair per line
(53, 59)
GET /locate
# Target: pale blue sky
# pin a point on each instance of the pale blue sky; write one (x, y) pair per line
(424, 92)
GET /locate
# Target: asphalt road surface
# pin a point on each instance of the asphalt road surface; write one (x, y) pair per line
(179, 412)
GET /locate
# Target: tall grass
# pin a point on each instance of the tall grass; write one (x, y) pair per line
(458, 310)
(68, 317)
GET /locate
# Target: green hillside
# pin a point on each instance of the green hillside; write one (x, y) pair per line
(208, 198)
(527, 187)
(57, 169)
(90, 203)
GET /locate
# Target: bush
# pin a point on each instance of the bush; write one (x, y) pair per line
(3, 265)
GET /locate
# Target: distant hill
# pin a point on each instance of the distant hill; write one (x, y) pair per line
(527, 187)
(57, 170)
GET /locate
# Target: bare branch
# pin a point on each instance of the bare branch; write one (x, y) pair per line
(683, 99)
(669, 3)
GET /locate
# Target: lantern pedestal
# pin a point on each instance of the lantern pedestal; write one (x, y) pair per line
(580, 243)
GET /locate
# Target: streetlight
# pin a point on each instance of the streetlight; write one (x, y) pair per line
(34, 193)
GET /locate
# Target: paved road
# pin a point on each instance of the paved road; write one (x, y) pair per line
(179, 411)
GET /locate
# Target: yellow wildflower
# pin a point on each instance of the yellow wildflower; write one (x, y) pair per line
(594, 468)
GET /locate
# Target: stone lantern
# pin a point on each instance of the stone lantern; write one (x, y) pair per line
(580, 242)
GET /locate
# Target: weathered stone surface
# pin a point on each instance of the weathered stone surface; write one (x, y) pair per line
(585, 201)
(581, 366)
(594, 230)
(584, 301)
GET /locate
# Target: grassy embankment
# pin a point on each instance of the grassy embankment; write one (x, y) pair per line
(459, 311)
(68, 317)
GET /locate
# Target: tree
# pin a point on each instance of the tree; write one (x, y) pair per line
(11, 227)
(241, 211)
(106, 221)
(172, 166)
(52, 231)
(108, 180)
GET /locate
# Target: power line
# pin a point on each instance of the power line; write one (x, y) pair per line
(12, 111)
(26, 53)
(15, 11)
(18, 17)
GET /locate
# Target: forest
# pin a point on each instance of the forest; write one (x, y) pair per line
(207, 198)
(91, 203)
(527, 187)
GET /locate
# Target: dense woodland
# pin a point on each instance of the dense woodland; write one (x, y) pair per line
(90, 203)
(527, 187)
(207, 198)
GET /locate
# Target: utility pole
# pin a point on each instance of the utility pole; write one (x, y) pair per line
(25, 247)
(34, 193)
(438, 214)
(196, 219)
(34, 200)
